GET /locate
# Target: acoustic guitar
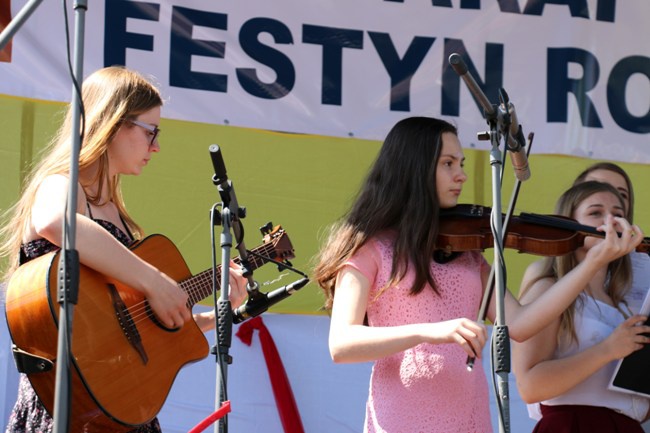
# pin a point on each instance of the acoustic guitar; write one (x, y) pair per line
(124, 361)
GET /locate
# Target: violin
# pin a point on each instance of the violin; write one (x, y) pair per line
(467, 227)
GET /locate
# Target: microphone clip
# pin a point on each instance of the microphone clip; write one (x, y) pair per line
(253, 290)
(256, 306)
(509, 126)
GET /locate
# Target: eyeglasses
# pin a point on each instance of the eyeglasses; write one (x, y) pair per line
(154, 131)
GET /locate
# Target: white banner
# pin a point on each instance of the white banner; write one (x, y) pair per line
(578, 71)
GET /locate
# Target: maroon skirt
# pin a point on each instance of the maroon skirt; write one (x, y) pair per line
(584, 419)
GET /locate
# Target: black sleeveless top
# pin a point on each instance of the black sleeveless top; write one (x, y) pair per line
(38, 247)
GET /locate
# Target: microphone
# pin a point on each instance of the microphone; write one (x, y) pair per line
(457, 63)
(220, 175)
(515, 137)
(516, 143)
(229, 198)
(255, 307)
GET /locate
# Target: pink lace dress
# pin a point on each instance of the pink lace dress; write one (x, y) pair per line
(426, 388)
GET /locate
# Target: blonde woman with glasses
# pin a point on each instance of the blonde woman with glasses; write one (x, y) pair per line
(122, 114)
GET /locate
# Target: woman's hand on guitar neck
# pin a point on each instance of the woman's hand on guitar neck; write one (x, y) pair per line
(237, 292)
(170, 303)
(237, 295)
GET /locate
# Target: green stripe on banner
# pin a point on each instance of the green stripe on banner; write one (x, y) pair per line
(302, 182)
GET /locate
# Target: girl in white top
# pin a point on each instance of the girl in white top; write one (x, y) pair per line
(614, 175)
(567, 366)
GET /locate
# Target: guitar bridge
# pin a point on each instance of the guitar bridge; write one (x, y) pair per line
(126, 323)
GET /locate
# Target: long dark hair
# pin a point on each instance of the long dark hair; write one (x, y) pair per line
(399, 193)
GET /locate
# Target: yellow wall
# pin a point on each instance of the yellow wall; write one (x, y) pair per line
(301, 182)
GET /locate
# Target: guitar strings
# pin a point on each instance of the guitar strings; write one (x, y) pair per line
(198, 287)
(140, 318)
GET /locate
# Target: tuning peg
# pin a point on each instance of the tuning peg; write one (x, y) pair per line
(266, 228)
(286, 263)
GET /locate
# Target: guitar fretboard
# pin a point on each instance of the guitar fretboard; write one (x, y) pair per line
(200, 286)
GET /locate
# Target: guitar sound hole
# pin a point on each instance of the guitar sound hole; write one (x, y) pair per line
(155, 320)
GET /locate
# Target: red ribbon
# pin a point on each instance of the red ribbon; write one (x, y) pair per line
(218, 414)
(284, 400)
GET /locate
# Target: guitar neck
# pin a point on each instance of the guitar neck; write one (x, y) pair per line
(200, 286)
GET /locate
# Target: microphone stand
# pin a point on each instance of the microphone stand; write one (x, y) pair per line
(68, 270)
(499, 121)
(500, 338)
(18, 20)
(68, 282)
(489, 287)
(230, 218)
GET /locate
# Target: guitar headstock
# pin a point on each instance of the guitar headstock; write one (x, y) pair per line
(279, 239)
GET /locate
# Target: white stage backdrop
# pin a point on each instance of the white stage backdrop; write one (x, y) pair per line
(577, 70)
(330, 397)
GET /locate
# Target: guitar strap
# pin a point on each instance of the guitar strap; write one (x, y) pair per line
(29, 363)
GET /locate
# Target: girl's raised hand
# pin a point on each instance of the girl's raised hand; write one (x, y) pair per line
(621, 238)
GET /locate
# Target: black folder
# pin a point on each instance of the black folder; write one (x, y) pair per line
(632, 373)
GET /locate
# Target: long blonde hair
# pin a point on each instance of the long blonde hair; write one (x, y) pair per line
(610, 166)
(619, 271)
(110, 96)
